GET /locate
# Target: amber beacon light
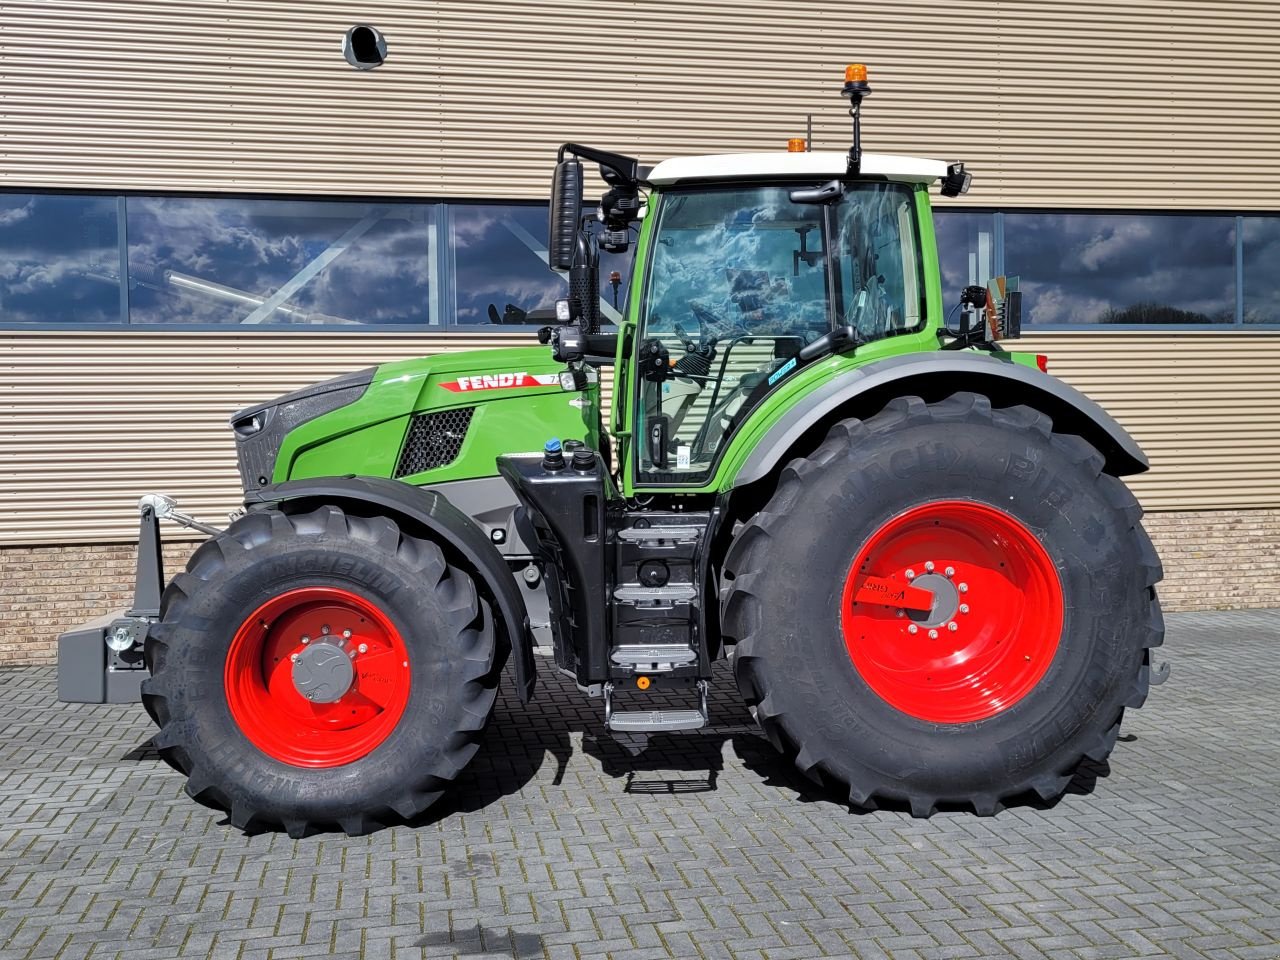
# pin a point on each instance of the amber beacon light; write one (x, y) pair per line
(796, 145)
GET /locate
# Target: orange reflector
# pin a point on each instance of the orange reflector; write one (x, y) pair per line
(855, 73)
(1042, 362)
(643, 683)
(796, 145)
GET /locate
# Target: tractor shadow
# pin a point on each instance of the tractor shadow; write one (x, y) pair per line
(521, 740)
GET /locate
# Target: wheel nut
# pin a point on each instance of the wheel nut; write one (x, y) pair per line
(950, 571)
(963, 588)
(363, 648)
(933, 634)
(911, 574)
(928, 565)
(913, 629)
(346, 634)
(293, 657)
(964, 608)
(953, 626)
(306, 639)
(325, 629)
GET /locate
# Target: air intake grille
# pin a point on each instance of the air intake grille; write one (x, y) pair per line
(434, 440)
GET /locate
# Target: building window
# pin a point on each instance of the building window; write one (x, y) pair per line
(301, 263)
(966, 250)
(499, 259)
(59, 259)
(1078, 268)
(1260, 257)
(81, 260)
(499, 255)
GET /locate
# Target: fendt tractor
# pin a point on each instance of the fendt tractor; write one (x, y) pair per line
(913, 545)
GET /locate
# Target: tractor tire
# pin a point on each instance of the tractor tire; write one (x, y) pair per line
(1043, 608)
(320, 670)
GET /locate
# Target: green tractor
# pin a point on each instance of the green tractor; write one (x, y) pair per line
(913, 545)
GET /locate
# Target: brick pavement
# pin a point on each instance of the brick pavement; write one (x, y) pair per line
(560, 844)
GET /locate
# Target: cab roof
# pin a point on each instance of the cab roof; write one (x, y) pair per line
(781, 165)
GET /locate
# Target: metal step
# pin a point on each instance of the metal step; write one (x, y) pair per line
(650, 534)
(657, 721)
(651, 721)
(671, 593)
(655, 656)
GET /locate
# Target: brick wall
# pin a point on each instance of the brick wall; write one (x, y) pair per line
(1213, 560)
(44, 590)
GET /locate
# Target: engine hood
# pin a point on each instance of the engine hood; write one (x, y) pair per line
(512, 399)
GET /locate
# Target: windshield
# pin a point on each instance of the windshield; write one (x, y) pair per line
(739, 279)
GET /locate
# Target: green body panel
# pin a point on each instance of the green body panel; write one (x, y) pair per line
(365, 437)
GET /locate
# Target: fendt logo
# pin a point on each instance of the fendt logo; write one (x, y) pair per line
(500, 381)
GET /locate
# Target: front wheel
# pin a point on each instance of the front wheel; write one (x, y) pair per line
(1032, 635)
(320, 669)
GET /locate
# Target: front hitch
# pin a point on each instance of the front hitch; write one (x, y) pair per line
(101, 661)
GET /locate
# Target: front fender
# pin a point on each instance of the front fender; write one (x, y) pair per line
(454, 530)
(935, 375)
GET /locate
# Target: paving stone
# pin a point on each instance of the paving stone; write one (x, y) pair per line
(560, 843)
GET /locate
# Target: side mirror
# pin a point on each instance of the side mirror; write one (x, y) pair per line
(566, 213)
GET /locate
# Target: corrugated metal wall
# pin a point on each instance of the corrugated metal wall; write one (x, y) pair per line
(1144, 103)
(1159, 103)
(90, 421)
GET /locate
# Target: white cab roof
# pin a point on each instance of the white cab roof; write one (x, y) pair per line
(727, 166)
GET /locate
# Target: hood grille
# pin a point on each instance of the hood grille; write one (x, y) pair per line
(434, 440)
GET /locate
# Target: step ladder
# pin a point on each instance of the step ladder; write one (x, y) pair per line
(653, 657)
(657, 721)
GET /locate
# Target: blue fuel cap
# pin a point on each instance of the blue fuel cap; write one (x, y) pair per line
(553, 445)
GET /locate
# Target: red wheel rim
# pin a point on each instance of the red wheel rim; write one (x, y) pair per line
(990, 577)
(270, 709)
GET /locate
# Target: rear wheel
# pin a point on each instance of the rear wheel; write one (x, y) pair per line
(1032, 637)
(320, 670)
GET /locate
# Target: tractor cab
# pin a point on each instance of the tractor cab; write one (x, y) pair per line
(751, 268)
(752, 261)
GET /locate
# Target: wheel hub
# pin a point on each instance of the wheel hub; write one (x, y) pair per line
(942, 657)
(322, 671)
(946, 600)
(317, 677)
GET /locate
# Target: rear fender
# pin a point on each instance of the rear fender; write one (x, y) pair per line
(934, 375)
(452, 529)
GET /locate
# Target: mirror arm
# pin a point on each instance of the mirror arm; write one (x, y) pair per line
(626, 168)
